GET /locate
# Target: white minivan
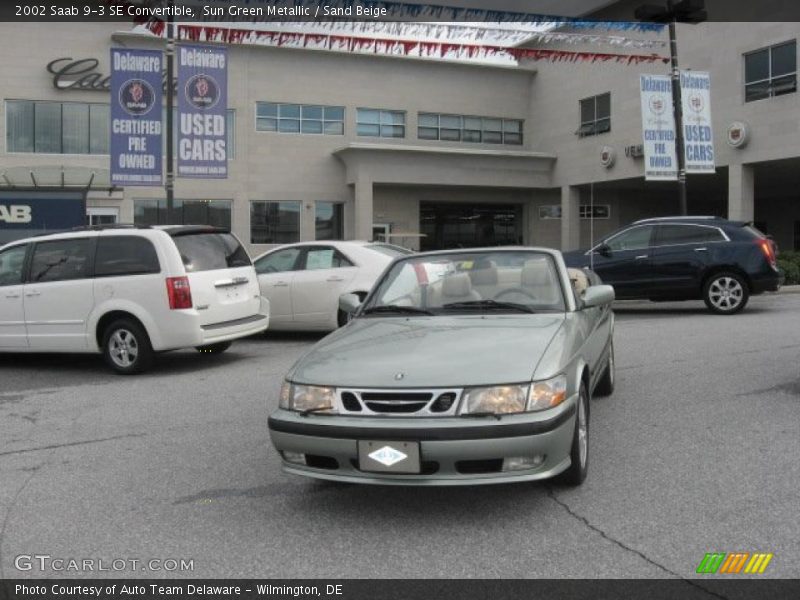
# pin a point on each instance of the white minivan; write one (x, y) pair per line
(128, 293)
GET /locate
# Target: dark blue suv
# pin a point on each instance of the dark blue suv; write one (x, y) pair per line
(685, 258)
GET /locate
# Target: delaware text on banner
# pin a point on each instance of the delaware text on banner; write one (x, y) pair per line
(697, 132)
(136, 90)
(202, 106)
(658, 125)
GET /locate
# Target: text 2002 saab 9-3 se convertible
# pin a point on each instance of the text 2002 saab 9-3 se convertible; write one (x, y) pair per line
(461, 367)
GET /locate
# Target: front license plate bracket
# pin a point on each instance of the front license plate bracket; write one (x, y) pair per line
(389, 457)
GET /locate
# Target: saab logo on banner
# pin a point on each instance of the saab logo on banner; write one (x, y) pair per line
(658, 128)
(136, 90)
(202, 108)
(697, 132)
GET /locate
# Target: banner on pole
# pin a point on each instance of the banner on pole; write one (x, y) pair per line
(658, 127)
(202, 108)
(136, 115)
(698, 136)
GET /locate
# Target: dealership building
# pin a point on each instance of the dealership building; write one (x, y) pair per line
(426, 153)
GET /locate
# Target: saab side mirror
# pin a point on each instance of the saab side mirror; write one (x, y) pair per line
(598, 295)
(349, 303)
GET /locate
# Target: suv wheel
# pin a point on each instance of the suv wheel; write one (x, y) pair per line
(725, 293)
(126, 347)
(218, 348)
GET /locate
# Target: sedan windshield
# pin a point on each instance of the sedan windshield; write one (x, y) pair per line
(502, 281)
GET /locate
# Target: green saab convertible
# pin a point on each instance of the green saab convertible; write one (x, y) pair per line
(460, 367)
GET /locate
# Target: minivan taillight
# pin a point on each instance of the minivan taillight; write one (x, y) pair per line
(179, 292)
(768, 250)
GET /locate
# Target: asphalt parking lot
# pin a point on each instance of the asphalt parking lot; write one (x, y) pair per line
(697, 451)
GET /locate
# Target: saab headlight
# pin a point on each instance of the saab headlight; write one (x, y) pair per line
(502, 399)
(547, 394)
(307, 397)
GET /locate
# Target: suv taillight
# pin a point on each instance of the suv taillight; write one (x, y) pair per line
(768, 250)
(179, 292)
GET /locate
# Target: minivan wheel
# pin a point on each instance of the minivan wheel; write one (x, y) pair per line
(725, 293)
(126, 347)
(605, 387)
(217, 348)
(579, 453)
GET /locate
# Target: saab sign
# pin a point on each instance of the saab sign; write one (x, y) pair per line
(23, 214)
(15, 213)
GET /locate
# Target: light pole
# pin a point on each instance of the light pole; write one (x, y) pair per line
(169, 179)
(684, 11)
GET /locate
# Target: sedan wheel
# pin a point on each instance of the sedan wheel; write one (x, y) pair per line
(579, 454)
(725, 293)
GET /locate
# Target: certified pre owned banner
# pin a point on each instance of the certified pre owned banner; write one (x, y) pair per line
(698, 136)
(658, 124)
(136, 88)
(203, 102)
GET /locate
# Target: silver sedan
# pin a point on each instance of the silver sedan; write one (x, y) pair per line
(460, 367)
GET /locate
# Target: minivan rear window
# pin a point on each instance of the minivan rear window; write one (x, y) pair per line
(211, 251)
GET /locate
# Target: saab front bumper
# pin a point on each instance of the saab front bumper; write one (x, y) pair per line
(452, 450)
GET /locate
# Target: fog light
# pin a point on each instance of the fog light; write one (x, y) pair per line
(520, 463)
(294, 457)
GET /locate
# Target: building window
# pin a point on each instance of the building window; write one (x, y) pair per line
(770, 72)
(216, 213)
(230, 131)
(595, 115)
(274, 222)
(299, 118)
(371, 122)
(585, 211)
(329, 220)
(56, 127)
(461, 128)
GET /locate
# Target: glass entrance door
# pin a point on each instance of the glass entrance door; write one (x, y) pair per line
(457, 225)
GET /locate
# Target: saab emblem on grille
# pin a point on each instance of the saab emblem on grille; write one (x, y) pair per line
(387, 456)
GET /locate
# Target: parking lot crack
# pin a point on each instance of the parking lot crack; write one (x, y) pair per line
(68, 444)
(620, 544)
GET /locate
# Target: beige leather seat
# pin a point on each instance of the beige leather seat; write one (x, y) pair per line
(456, 288)
(537, 279)
(485, 280)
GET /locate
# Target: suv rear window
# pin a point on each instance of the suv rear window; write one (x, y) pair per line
(125, 255)
(211, 251)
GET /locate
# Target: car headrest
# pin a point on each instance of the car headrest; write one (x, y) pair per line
(484, 275)
(579, 280)
(536, 272)
(456, 285)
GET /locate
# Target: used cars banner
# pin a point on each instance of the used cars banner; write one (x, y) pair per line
(658, 127)
(697, 133)
(202, 104)
(136, 90)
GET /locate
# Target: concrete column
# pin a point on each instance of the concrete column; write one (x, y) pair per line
(363, 208)
(570, 218)
(741, 192)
